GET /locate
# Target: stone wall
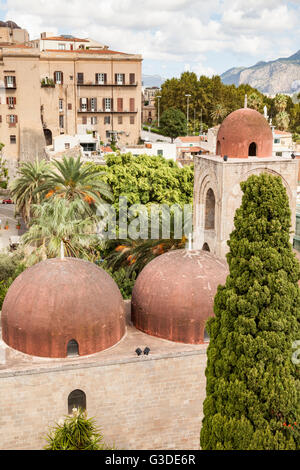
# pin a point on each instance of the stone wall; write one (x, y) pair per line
(141, 403)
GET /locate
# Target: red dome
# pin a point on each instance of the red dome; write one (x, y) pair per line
(244, 133)
(174, 294)
(57, 301)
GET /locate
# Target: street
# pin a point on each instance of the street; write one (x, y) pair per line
(7, 214)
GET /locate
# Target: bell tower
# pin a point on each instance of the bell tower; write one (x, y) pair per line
(244, 148)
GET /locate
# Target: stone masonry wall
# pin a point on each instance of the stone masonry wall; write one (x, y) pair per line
(142, 403)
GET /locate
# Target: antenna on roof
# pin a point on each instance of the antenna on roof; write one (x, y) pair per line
(245, 102)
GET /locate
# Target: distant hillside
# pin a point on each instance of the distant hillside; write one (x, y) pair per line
(152, 80)
(277, 76)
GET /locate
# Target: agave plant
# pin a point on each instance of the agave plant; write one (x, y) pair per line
(75, 432)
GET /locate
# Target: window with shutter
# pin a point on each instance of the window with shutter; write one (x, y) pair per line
(58, 78)
(10, 81)
(132, 78)
(119, 105)
(107, 104)
(119, 78)
(80, 77)
(100, 78)
(84, 120)
(83, 104)
(69, 106)
(93, 104)
(131, 105)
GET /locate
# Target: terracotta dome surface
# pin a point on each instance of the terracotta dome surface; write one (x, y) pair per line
(59, 300)
(242, 128)
(173, 295)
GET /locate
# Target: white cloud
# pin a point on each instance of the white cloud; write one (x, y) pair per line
(177, 31)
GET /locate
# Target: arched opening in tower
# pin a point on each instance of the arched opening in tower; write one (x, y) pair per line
(210, 210)
(252, 149)
(205, 247)
(218, 148)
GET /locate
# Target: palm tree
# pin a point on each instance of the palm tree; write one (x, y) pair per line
(255, 101)
(218, 113)
(72, 180)
(59, 221)
(23, 189)
(280, 102)
(282, 120)
(135, 254)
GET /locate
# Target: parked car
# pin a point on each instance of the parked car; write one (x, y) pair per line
(7, 201)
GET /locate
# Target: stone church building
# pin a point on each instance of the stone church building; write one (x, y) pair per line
(138, 367)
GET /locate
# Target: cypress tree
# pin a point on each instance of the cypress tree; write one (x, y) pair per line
(252, 391)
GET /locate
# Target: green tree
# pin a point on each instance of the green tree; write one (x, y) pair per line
(218, 113)
(255, 101)
(280, 102)
(148, 179)
(75, 432)
(32, 175)
(282, 120)
(3, 171)
(60, 221)
(252, 395)
(173, 123)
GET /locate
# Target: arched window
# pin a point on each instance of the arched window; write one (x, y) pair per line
(218, 148)
(76, 399)
(72, 348)
(252, 149)
(205, 247)
(210, 210)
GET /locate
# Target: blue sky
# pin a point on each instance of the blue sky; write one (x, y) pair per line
(207, 37)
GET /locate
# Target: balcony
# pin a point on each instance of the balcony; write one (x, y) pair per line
(47, 82)
(107, 84)
(8, 87)
(106, 111)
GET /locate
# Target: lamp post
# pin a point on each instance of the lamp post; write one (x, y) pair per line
(158, 103)
(187, 113)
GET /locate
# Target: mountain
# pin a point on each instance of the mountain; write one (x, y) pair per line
(152, 80)
(276, 76)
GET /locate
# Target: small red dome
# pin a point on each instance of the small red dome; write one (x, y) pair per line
(244, 133)
(57, 301)
(173, 296)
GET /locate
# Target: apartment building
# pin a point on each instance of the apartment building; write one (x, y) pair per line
(46, 92)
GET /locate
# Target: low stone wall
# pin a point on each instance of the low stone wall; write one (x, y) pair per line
(142, 403)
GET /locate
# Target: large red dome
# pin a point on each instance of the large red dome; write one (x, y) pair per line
(60, 300)
(244, 133)
(173, 296)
